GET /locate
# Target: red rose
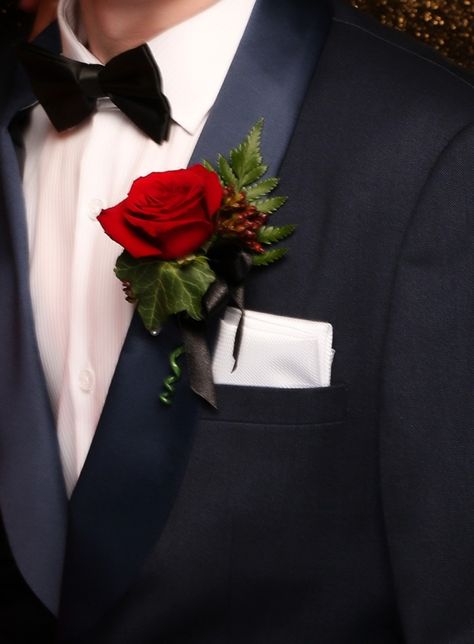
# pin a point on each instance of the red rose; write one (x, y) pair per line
(167, 215)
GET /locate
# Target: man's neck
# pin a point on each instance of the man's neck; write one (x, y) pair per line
(113, 26)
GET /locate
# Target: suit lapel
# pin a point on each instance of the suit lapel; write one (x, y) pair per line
(140, 450)
(268, 78)
(32, 495)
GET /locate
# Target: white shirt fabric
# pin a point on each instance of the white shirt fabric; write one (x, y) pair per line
(80, 311)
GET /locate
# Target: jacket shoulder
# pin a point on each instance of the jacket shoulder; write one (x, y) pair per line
(418, 75)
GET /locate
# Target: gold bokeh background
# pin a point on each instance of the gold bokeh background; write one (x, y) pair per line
(446, 25)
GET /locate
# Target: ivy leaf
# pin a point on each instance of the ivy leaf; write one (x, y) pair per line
(164, 288)
(246, 160)
(261, 189)
(273, 234)
(269, 257)
(227, 175)
(270, 205)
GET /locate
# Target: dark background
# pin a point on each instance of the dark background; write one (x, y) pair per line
(14, 24)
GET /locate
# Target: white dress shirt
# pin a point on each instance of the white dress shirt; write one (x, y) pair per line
(80, 311)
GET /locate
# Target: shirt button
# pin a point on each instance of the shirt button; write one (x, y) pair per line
(95, 208)
(86, 380)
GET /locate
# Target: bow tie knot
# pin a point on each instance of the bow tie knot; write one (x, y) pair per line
(89, 81)
(68, 90)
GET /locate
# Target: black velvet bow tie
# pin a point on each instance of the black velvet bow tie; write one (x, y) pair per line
(68, 90)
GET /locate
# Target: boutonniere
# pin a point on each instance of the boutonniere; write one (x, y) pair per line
(190, 238)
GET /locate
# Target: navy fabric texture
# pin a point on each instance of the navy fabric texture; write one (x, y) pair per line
(32, 495)
(335, 515)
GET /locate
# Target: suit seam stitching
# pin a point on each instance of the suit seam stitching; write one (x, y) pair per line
(459, 133)
(407, 51)
(410, 221)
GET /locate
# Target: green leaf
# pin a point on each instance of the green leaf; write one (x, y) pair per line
(273, 234)
(269, 257)
(207, 165)
(228, 177)
(164, 288)
(246, 160)
(261, 189)
(252, 175)
(269, 206)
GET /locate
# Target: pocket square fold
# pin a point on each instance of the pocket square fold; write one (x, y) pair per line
(276, 351)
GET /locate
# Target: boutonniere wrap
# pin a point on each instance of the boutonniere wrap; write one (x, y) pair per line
(190, 238)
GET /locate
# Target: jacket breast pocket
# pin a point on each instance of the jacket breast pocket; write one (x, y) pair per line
(281, 472)
(268, 406)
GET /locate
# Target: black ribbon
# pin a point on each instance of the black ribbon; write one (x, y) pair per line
(68, 90)
(231, 265)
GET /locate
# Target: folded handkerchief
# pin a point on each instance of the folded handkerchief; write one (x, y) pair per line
(276, 351)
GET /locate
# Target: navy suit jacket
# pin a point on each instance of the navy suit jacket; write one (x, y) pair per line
(332, 515)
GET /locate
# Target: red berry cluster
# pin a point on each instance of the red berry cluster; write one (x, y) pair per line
(239, 218)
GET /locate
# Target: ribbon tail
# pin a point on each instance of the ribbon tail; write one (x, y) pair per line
(198, 360)
(238, 297)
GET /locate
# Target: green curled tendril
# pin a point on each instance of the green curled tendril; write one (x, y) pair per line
(170, 381)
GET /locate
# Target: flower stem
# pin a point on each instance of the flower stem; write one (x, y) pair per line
(170, 381)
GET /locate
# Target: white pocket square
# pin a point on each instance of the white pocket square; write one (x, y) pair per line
(276, 351)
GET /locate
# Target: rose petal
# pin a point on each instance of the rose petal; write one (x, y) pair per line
(182, 241)
(166, 214)
(117, 228)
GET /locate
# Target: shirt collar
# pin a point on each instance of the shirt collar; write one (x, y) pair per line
(193, 56)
